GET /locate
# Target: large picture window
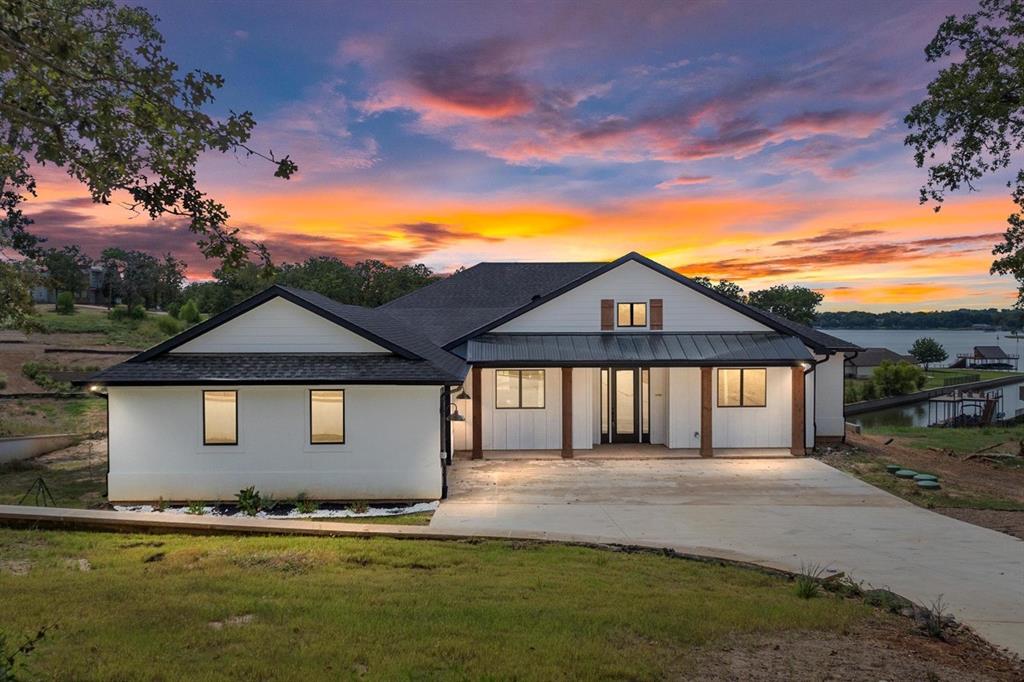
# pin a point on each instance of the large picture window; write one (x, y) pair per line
(632, 314)
(327, 417)
(518, 389)
(220, 417)
(742, 387)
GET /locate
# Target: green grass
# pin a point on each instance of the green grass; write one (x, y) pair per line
(345, 608)
(133, 333)
(960, 441)
(414, 519)
(936, 377)
(30, 417)
(77, 483)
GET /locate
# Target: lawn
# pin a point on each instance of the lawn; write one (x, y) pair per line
(131, 333)
(935, 378)
(960, 441)
(268, 608)
(30, 417)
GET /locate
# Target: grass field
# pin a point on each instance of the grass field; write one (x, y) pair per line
(35, 416)
(204, 608)
(935, 378)
(131, 333)
(961, 441)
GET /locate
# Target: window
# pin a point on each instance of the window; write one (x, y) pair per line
(220, 417)
(742, 387)
(632, 315)
(518, 389)
(327, 417)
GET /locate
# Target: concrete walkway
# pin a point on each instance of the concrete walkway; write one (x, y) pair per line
(781, 513)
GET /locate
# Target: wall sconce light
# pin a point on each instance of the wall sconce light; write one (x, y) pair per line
(455, 416)
(462, 395)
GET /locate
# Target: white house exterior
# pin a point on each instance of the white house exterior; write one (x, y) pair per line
(294, 393)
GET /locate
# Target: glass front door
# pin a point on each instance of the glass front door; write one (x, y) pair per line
(625, 405)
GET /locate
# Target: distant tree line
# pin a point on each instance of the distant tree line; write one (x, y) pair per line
(962, 318)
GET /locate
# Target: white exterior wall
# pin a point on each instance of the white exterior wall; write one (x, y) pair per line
(828, 402)
(683, 409)
(522, 429)
(279, 326)
(659, 405)
(755, 427)
(579, 310)
(583, 408)
(392, 449)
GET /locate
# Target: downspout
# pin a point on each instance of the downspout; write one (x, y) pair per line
(444, 410)
(814, 403)
(846, 359)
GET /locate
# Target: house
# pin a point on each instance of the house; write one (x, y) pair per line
(862, 365)
(295, 393)
(986, 357)
(93, 293)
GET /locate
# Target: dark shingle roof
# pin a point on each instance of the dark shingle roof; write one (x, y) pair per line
(457, 305)
(479, 298)
(872, 357)
(660, 347)
(990, 353)
(272, 368)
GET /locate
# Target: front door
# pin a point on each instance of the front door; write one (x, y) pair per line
(625, 404)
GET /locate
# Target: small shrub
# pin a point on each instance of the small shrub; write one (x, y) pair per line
(304, 505)
(808, 581)
(360, 506)
(120, 313)
(168, 325)
(65, 303)
(161, 505)
(173, 309)
(935, 620)
(249, 501)
(39, 374)
(189, 313)
(195, 508)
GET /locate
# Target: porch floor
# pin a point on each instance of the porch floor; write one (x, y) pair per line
(632, 451)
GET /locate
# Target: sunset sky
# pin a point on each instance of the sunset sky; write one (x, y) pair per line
(760, 142)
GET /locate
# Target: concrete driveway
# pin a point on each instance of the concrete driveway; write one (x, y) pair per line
(778, 512)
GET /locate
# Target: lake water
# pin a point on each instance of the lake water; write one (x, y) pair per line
(1011, 404)
(953, 340)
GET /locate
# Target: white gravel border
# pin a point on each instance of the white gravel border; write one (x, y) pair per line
(293, 513)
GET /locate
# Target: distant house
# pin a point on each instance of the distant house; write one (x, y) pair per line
(863, 365)
(91, 295)
(986, 357)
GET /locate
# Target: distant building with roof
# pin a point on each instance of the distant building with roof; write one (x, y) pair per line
(863, 365)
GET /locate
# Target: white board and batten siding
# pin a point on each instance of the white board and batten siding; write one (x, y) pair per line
(279, 326)
(828, 397)
(157, 451)
(579, 310)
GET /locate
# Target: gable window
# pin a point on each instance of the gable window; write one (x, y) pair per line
(516, 389)
(220, 417)
(327, 417)
(632, 314)
(742, 387)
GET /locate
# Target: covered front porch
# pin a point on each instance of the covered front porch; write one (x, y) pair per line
(614, 451)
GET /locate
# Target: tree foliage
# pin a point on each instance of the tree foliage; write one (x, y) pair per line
(367, 283)
(724, 287)
(85, 86)
(796, 303)
(137, 278)
(962, 318)
(971, 124)
(927, 350)
(897, 378)
(66, 269)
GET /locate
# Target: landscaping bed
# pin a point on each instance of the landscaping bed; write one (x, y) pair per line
(276, 608)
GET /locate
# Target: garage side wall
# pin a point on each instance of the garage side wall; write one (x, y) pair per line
(391, 449)
(829, 397)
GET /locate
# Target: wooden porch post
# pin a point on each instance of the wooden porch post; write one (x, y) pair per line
(478, 415)
(567, 412)
(799, 413)
(705, 412)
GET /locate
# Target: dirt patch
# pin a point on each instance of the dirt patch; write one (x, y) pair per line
(14, 355)
(15, 566)
(882, 649)
(973, 477)
(78, 564)
(1009, 522)
(89, 453)
(233, 621)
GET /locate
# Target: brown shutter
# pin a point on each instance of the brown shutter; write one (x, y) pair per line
(657, 318)
(607, 314)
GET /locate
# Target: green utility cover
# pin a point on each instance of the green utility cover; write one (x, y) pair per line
(925, 477)
(892, 468)
(906, 473)
(929, 485)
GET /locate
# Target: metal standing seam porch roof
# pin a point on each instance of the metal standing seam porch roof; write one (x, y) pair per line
(666, 348)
